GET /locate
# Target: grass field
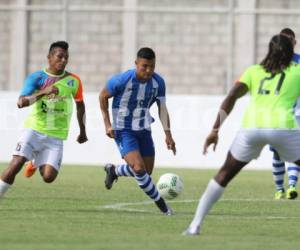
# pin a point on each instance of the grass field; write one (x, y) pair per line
(76, 212)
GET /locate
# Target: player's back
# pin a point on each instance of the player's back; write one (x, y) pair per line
(272, 97)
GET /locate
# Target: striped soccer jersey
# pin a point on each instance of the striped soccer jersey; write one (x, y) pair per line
(132, 99)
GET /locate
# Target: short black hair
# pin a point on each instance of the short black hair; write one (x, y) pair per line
(288, 31)
(146, 53)
(59, 44)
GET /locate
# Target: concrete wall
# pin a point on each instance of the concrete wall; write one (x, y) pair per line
(191, 118)
(268, 24)
(201, 45)
(191, 47)
(5, 39)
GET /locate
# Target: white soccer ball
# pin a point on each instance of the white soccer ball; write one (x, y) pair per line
(169, 186)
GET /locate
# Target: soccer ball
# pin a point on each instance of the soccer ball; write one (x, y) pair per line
(169, 186)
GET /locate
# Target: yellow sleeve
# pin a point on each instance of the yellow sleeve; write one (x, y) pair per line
(246, 77)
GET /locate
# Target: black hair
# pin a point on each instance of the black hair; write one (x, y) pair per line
(288, 31)
(59, 44)
(146, 53)
(280, 54)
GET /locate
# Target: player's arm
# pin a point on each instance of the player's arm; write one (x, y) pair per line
(81, 115)
(237, 91)
(165, 121)
(104, 105)
(81, 118)
(27, 100)
(31, 91)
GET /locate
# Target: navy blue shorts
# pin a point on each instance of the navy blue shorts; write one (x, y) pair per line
(129, 140)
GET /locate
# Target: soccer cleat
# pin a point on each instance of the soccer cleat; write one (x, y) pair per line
(110, 175)
(279, 194)
(191, 231)
(291, 193)
(163, 207)
(29, 169)
(169, 212)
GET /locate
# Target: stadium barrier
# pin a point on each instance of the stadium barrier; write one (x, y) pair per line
(191, 120)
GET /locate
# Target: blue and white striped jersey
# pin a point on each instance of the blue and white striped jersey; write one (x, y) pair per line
(132, 99)
(296, 58)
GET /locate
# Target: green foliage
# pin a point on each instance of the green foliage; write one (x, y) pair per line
(74, 212)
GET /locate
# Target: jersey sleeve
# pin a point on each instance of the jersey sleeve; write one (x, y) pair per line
(246, 77)
(113, 85)
(161, 94)
(31, 84)
(78, 93)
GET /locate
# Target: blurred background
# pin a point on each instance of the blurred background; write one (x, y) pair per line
(202, 47)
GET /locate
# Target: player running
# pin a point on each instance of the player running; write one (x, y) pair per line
(50, 92)
(274, 86)
(133, 92)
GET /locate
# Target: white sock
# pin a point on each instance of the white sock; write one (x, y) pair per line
(3, 187)
(212, 193)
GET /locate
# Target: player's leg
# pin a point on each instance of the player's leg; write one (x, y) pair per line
(214, 191)
(278, 171)
(293, 173)
(9, 174)
(149, 164)
(49, 159)
(48, 172)
(147, 149)
(28, 142)
(246, 146)
(126, 142)
(144, 180)
(289, 148)
(124, 170)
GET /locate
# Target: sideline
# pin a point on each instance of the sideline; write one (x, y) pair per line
(125, 206)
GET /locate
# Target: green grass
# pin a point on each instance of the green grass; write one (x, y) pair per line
(69, 214)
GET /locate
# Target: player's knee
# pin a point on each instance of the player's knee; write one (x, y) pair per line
(137, 166)
(139, 171)
(223, 177)
(48, 178)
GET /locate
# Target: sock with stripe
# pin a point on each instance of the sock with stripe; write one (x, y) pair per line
(278, 170)
(145, 183)
(124, 170)
(293, 173)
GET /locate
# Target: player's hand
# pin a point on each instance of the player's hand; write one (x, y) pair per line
(110, 132)
(171, 144)
(50, 90)
(212, 138)
(82, 138)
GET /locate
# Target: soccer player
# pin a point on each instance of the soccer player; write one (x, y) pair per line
(278, 164)
(133, 92)
(50, 92)
(274, 86)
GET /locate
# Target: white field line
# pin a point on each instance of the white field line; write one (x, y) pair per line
(126, 206)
